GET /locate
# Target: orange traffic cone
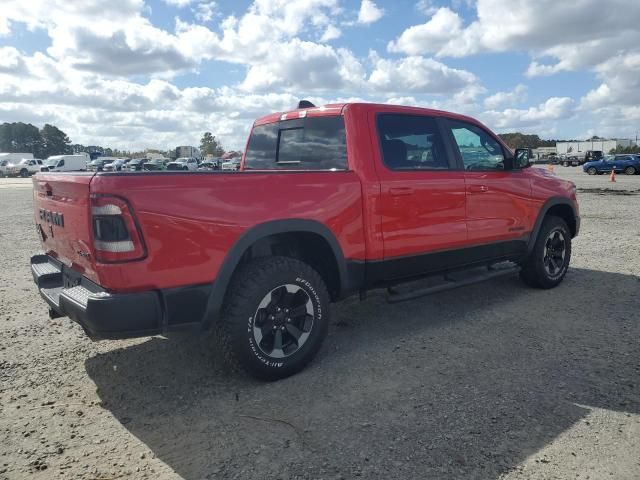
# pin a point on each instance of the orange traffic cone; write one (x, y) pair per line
(612, 177)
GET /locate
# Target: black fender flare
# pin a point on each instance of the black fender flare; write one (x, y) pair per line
(249, 238)
(552, 202)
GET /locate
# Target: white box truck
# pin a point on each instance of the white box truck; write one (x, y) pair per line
(67, 163)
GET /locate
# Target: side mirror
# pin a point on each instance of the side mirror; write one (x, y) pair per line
(522, 158)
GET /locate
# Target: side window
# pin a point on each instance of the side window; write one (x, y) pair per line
(61, 163)
(478, 149)
(411, 142)
(311, 144)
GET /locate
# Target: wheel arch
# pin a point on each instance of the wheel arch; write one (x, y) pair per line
(307, 240)
(560, 207)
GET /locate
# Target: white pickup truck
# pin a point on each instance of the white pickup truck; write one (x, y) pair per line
(10, 159)
(23, 168)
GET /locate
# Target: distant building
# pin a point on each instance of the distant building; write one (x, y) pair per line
(580, 148)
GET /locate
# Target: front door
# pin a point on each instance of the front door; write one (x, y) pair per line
(422, 194)
(498, 198)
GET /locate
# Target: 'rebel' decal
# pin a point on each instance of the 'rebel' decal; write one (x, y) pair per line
(53, 218)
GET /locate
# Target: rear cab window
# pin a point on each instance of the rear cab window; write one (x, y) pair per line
(311, 143)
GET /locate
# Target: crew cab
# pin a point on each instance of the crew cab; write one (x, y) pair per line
(329, 202)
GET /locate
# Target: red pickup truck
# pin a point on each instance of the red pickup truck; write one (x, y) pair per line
(329, 202)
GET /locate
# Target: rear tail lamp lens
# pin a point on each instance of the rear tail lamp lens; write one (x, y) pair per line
(116, 236)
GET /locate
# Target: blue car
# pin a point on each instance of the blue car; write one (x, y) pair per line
(629, 164)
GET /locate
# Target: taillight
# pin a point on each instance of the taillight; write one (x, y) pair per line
(116, 236)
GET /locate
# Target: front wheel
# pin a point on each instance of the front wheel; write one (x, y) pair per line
(630, 170)
(24, 173)
(592, 171)
(275, 317)
(547, 264)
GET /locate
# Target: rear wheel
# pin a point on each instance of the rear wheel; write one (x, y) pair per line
(275, 317)
(549, 260)
(592, 171)
(24, 173)
(630, 170)
(565, 164)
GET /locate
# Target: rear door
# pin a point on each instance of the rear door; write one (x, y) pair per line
(422, 193)
(498, 200)
(62, 217)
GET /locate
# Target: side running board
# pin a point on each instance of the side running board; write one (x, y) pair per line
(449, 282)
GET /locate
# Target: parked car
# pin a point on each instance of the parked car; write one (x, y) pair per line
(115, 166)
(261, 256)
(99, 163)
(209, 165)
(7, 159)
(183, 163)
(233, 164)
(24, 168)
(135, 164)
(155, 164)
(629, 164)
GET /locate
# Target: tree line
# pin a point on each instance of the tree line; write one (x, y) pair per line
(620, 149)
(522, 140)
(19, 137)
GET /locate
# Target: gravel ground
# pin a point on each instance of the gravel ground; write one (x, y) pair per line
(492, 381)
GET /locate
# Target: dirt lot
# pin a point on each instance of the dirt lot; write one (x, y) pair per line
(492, 381)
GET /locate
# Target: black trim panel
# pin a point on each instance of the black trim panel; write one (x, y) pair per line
(106, 315)
(395, 270)
(259, 232)
(552, 202)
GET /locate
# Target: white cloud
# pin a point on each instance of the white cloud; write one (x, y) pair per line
(418, 75)
(430, 37)
(331, 33)
(369, 12)
(568, 32)
(555, 108)
(178, 3)
(506, 99)
(205, 11)
(426, 7)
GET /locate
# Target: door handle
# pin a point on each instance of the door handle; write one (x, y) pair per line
(478, 189)
(398, 191)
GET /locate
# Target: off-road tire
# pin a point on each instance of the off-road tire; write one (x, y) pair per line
(533, 271)
(249, 286)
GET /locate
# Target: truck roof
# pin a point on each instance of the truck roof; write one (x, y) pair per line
(339, 108)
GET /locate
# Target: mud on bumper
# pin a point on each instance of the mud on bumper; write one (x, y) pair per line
(105, 315)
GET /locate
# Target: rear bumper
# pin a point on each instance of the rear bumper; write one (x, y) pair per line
(105, 315)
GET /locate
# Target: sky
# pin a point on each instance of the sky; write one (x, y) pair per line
(135, 74)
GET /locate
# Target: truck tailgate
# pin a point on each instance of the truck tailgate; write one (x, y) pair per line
(63, 220)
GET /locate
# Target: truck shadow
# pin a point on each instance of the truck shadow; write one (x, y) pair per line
(463, 384)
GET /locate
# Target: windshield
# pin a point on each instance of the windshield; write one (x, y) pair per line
(50, 162)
